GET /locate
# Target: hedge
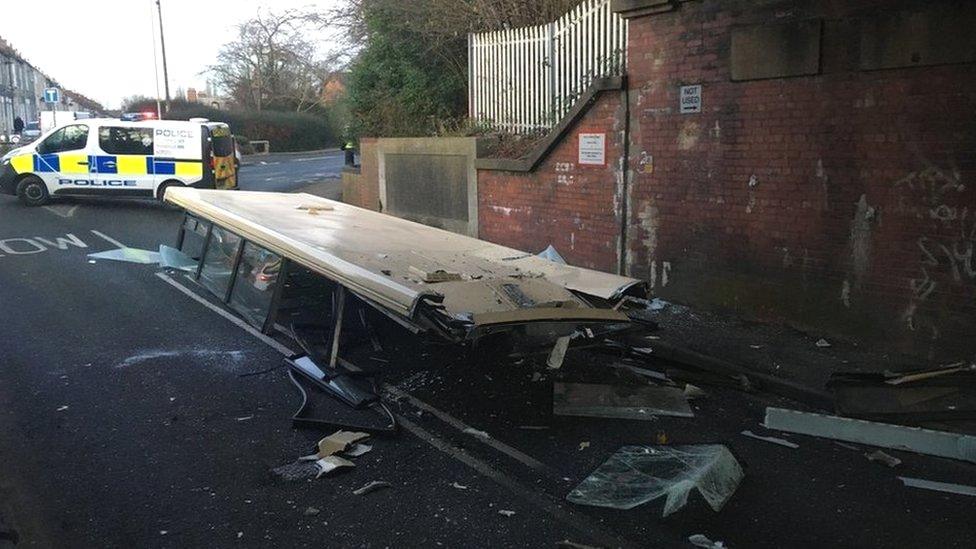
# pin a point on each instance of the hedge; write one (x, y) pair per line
(286, 131)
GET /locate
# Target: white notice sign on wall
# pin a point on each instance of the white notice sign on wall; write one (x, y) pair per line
(593, 149)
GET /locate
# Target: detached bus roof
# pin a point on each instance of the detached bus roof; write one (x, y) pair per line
(395, 262)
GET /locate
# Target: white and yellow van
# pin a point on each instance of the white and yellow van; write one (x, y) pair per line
(109, 157)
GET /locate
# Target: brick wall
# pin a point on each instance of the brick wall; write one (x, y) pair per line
(843, 202)
(574, 207)
(362, 188)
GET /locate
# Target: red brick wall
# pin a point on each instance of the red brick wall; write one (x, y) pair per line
(574, 207)
(843, 202)
(363, 189)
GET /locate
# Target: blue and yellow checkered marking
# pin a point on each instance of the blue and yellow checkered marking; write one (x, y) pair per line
(107, 164)
(47, 163)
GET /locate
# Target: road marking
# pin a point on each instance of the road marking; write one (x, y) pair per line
(461, 426)
(59, 210)
(573, 520)
(108, 239)
(229, 316)
(39, 244)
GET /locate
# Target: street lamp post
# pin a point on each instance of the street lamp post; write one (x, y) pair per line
(162, 45)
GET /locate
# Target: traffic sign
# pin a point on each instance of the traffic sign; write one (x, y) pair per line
(52, 95)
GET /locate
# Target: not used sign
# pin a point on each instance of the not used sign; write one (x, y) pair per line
(691, 99)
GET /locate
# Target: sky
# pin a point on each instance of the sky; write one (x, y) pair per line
(104, 48)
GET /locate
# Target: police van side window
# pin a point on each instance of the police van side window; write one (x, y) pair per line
(68, 138)
(115, 140)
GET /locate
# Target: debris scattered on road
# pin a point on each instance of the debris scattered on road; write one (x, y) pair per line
(328, 464)
(946, 487)
(618, 401)
(476, 433)
(584, 445)
(128, 255)
(358, 449)
(558, 354)
(638, 474)
(338, 441)
(62, 408)
(661, 437)
(573, 545)
(643, 372)
(458, 486)
(506, 513)
(774, 440)
(882, 457)
(929, 374)
(551, 254)
(699, 540)
(311, 511)
(822, 343)
(244, 418)
(885, 435)
(371, 487)
(299, 470)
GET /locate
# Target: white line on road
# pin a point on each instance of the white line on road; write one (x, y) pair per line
(573, 520)
(229, 316)
(108, 239)
(461, 426)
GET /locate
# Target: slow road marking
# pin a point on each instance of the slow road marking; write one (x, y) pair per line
(39, 244)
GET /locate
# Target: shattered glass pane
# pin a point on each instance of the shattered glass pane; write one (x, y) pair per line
(194, 236)
(218, 260)
(638, 474)
(175, 259)
(257, 278)
(131, 255)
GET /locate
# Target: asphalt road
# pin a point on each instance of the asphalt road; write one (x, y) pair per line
(286, 172)
(128, 419)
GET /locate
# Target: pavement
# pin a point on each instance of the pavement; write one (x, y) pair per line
(134, 413)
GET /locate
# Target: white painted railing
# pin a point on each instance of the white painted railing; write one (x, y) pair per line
(524, 80)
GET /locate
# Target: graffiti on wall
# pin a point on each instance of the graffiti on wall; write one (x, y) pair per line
(947, 252)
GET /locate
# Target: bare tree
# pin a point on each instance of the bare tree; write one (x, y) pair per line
(273, 63)
(445, 24)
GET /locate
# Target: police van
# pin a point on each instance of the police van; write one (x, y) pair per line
(113, 158)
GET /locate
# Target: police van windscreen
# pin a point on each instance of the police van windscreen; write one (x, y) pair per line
(223, 146)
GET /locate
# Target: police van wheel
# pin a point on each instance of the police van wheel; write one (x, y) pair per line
(32, 191)
(161, 191)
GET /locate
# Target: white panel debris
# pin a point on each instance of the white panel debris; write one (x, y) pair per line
(946, 487)
(898, 437)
